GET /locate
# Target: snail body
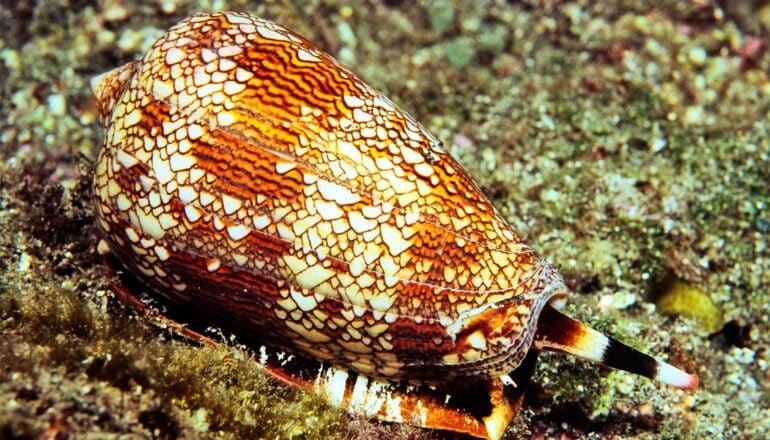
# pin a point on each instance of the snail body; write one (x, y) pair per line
(250, 178)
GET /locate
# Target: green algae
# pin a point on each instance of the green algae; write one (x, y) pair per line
(621, 141)
(61, 346)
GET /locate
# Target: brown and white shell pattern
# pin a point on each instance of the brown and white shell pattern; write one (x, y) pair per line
(248, 176)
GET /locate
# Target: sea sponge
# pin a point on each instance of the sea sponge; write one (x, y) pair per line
(679, 298)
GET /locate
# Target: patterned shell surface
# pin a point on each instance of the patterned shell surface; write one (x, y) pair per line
(249, 176)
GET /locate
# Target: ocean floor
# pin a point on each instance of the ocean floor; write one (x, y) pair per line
(627, 142)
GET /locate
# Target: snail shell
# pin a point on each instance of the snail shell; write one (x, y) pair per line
(248, 173)
(249, 177)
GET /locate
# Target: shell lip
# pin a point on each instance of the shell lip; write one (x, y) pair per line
(558, 300)
(503, 362)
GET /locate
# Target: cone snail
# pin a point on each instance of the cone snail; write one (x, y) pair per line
(248, 177)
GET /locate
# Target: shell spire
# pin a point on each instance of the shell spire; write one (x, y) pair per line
(108, 86)
(558, 332)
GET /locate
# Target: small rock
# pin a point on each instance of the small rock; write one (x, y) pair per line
(168, 6)
(346, 34)
(493, 38)
(57, 104)
(442, 14)
(459, 52)
(618, 301)
(11, 59)
(697, 56)
(693, 115)
(658, 144)
(199, 420)
(115, 10)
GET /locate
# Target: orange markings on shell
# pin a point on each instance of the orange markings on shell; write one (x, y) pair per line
(248, 176)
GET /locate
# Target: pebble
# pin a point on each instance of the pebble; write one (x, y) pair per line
(199, 420)
(441, 14)
(693, 115)
(697, 56)
(11, 59)
(57, 104)
(168, 6)
(619, 300)
(346, 34)
(114, 10)
(459, 52)
(742, 355)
